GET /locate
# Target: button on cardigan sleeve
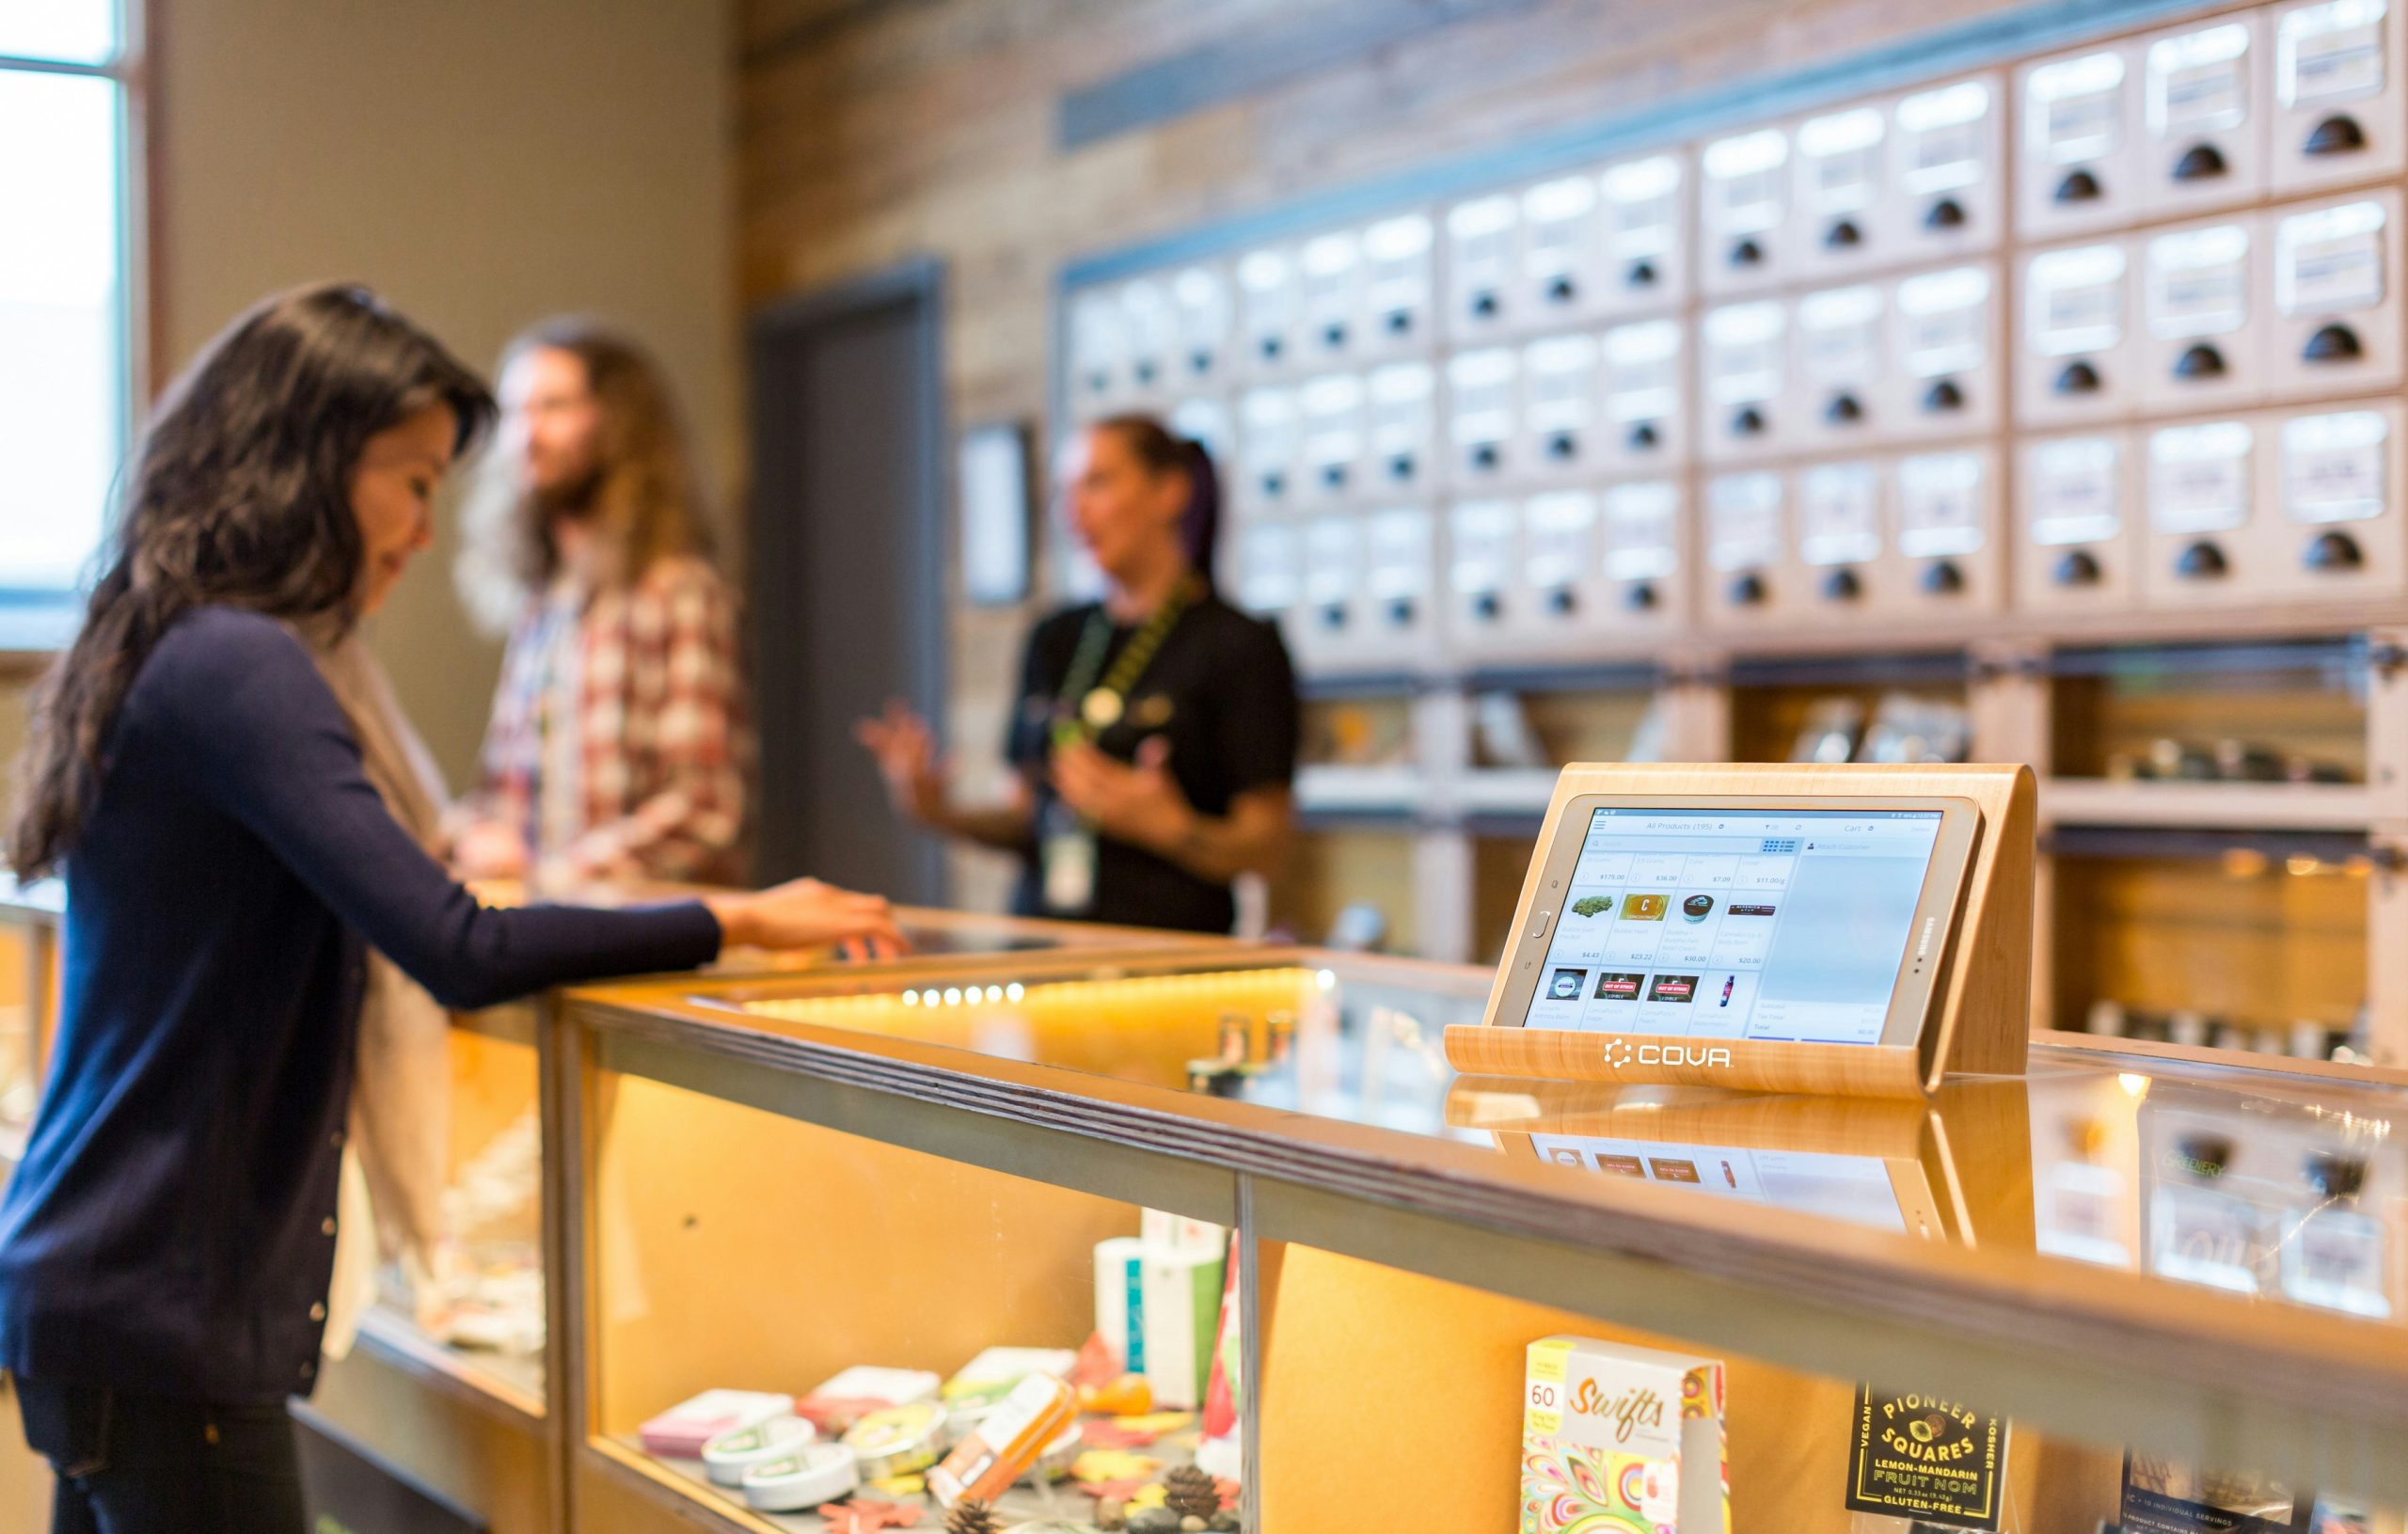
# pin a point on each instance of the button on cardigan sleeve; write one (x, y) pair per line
(235, 701)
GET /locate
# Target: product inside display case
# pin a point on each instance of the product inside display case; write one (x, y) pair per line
(1531, 1324)
(2247, 942)
(1916, 714)
(2264, 714)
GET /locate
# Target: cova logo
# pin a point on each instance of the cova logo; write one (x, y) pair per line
(1621, 1053)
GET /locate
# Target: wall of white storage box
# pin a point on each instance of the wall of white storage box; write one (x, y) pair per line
(2100, 333)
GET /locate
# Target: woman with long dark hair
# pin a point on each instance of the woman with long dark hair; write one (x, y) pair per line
(165, 1244)
(1155, 740)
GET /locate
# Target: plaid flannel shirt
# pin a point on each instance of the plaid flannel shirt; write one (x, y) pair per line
(619, 744)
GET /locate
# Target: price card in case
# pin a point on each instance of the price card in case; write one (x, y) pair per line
(2199, 478)
(1333, 433)
(1944, 320)
(2200, 1236)
(1483, 544)
(1559, 538)
(1743, 348)
(1839, 513)
(1401, 539)
(2075, 108)
(1403, 398)
(2333, 1258)
(1941, 136)
(2330, 52)
(1559, 382)
(1641, 523)
(1940, 504)
(2330, 260)
(2198, 282)
(2199, 82)
(1743, 521)
(1483, 388)
(1642, 207)
(1479, 236)
(1743, 177)
(1333, 560)
(1842, 158)
(2076, 491)
(1839, 334)
(2077, 300)
(1556, 226)
(1267, 292)
(1643, 370)
(1396, 259)
(2337, 469)
(1268, 569)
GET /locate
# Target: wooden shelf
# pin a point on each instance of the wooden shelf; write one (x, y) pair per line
(1359, 790)
(1508, 791)
(2215, 806)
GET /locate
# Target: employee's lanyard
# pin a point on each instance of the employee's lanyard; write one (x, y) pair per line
(1100, 704)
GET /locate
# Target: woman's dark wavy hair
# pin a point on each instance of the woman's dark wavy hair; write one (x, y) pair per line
(1164, 451)
(240, 496)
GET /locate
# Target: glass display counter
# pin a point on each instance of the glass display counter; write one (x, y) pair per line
(2119, 1290)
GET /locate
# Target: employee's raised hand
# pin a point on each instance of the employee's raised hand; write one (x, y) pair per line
(490, 849)
(806, 913)
(1138, 803)
(906, 750)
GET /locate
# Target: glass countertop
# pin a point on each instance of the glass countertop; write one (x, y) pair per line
(2286, 1187)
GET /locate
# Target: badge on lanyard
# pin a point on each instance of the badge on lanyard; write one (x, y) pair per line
(1067, 853)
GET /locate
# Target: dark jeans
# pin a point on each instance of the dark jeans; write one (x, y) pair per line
(131, 1463)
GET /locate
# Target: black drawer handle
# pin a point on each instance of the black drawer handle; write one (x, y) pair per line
(2077, 186)
(1943, 395)
(1948, 213)
(1484, 456)
(1400, 466)
(1844, 235)
(1272, 346)
(2202, 560)
(1562, 291)
(1645, 436)
(1746, 253)
(1639, 597)
(2336, 134)
(1334, 616)
(1561, 601)
(1400, 611)
(1146, 373)
(1749, 421)
(1333, 475)
(1564, 445)
(1400, 321)
(1334, 335)
(2333, 343)
(1484, 305)
(1641, 275)
(1274, 485)
(2078, 378)
(1842, 409)
(2200, 361)
(2334, 551)
(1199, 361)
(1748, 591)
(1099, 381)
(1941, 578)
(1841, 585)
(2198, 162)
(1486, 607)
(2078, 568)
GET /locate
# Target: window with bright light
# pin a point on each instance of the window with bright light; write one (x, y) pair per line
(64, 301)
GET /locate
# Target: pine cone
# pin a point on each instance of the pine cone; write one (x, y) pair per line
(1191, 1492)
(971, 1516)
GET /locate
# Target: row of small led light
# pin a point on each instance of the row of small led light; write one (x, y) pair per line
(961, 995)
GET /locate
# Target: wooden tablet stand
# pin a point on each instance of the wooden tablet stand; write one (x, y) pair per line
(1980, 1018)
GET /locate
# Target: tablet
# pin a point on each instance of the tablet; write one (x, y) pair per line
(1776, 921)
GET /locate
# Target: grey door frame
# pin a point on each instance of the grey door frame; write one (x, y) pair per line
(774, 329)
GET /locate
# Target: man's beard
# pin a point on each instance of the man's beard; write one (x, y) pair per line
(572, 499)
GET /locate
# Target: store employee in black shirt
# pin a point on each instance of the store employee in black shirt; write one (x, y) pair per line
(1155, 732)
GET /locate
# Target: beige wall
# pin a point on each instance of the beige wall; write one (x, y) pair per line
(483, 163)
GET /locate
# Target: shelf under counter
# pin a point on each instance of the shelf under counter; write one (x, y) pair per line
(508, 1385)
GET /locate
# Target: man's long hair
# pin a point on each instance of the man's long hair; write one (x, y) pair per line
(642, 500)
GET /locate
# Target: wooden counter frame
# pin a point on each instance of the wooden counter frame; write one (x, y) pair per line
(1980, 1022)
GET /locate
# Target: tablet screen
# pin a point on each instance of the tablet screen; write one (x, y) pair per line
(1779, 925)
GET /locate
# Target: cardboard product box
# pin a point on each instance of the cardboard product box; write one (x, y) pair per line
(1624, 1433)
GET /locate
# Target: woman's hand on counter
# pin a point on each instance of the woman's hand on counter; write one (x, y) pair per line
(806, 913)
(906, 750)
